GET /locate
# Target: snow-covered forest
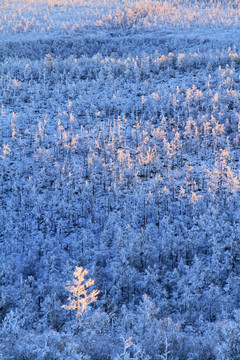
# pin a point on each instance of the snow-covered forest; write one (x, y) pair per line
(119, 154)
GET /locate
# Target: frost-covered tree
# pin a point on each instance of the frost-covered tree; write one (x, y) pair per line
(80, 298)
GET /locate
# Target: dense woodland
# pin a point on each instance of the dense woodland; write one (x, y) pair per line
(119, 153)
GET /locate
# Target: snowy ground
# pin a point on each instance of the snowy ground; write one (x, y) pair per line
(119, 150)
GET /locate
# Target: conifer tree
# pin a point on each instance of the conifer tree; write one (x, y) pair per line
(80, 299)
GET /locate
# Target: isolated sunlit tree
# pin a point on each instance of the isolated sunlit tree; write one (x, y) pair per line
(80, 299)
